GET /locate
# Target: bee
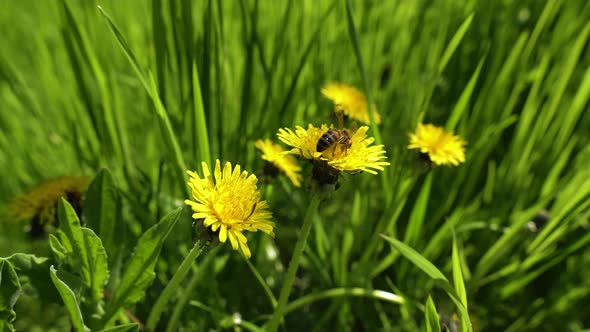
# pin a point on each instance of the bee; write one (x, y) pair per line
(335, 137)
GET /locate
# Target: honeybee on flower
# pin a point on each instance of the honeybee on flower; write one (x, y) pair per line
(336, 137)
(339, 149)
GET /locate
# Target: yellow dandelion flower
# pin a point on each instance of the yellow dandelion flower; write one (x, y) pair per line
(356, 156)
(274, 154)
(442, 148)
(350, 101)
(228, 201)
(40, 203)
(41, 200)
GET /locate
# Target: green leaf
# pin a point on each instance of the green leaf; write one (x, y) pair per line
(88, 256)
(100, 211)
(10, 290)
(99, 270)
(73, 281)
(132, 327)
(72, 239)
(34, 269)
(418, 260)
(140, 268)
(70, 301)
(432, 321)
(60, 252)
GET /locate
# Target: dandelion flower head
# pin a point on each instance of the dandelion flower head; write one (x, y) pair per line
(360, 156)
(42, 200)
(229, 203)
(274, 154)
(441, 147)
(350, 101)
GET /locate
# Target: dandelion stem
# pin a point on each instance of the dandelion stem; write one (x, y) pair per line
(294, 264)
(174, 283)
(184, 298)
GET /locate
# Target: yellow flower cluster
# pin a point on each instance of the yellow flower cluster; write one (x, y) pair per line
(274, 154)
(442, 148)
(228, 201)
(350, 101)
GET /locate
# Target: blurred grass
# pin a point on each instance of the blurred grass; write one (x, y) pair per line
(511, 77)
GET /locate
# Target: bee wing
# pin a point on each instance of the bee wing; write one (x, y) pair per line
(354, 126)
(339, 115)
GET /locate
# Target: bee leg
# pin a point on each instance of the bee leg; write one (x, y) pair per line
(342, 141)
(251, 212)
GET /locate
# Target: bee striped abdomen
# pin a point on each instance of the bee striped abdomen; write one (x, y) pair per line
(328, 138)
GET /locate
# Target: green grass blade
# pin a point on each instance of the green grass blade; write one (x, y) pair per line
(432, 320)
(549, 11)
(352, 31)
(506, 242)
(344, 292)
(417, 259)
(414, 230)
(131, 327)
(458, 281)
(454, 43)
(433, 272)
(267, 290)
(126, 49)
(202, 136)
(463, 101)
(106, 111)
(458, 274)
(152, 90)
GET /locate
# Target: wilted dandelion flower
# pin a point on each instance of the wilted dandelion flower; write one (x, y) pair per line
(275, 156)
(229, 203)
(441, 148)
(354, 157)
(40, 203)
(350, 101)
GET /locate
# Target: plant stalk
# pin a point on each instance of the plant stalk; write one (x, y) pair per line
(174, 284)
(294, 264)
